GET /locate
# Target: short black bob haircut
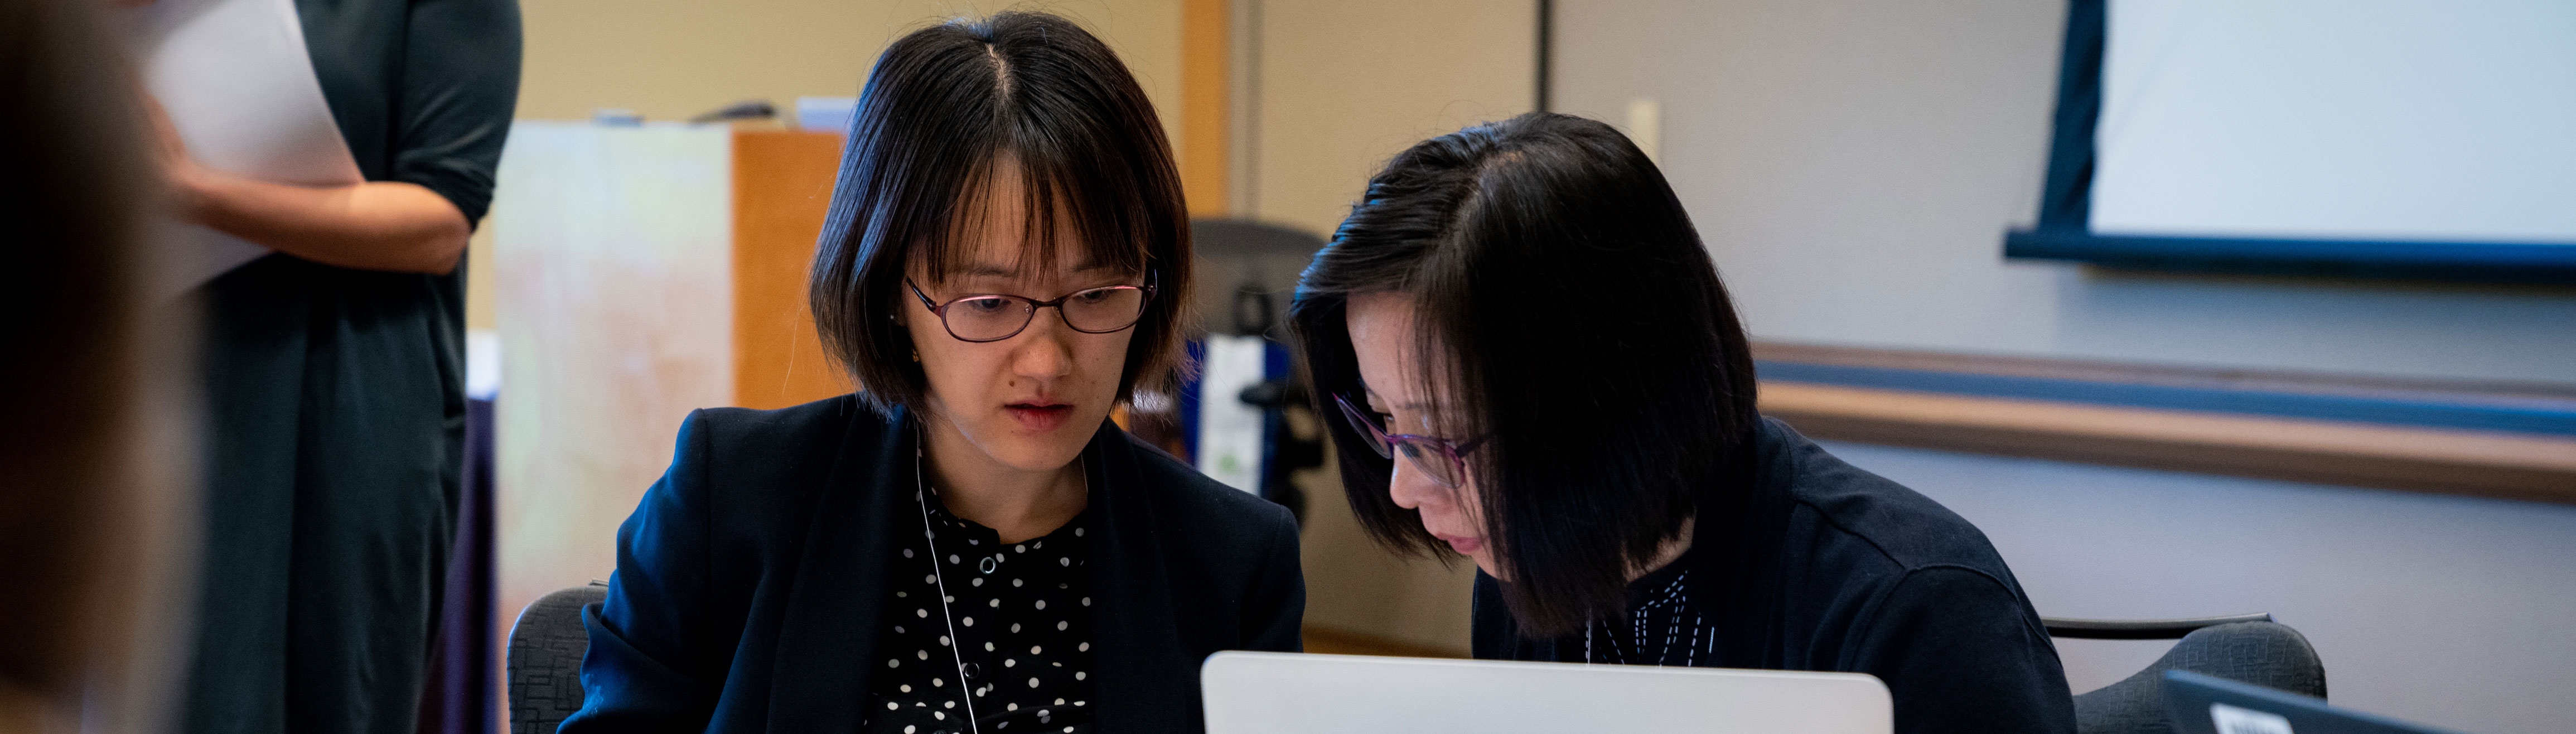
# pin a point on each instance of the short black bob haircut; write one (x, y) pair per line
(945, 106)
(1566, 303)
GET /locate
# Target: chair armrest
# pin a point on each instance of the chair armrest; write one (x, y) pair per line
(2139, 629)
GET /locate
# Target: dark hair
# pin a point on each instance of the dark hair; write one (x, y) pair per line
(1568, 309)
(86, 485)
(944, 107)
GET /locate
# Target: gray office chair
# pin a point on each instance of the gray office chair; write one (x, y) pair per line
(545, 659)
(2249, 648)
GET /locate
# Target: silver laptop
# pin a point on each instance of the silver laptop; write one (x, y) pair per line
(1280, 693)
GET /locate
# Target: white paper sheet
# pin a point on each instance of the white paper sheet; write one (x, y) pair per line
(239, 86)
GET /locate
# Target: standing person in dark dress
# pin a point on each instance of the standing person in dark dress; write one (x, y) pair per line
(333, 379)
(1540, 370)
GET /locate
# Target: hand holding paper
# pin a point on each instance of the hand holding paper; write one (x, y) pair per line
(375, 225)
(255, 159)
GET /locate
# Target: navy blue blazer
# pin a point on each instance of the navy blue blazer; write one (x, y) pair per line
(750, 581)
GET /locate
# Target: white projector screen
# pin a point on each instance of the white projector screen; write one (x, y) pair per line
(2411, 120)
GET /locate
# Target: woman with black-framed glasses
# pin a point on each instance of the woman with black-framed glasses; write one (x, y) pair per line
(967, 545)
(992, 317)
(1537, 368)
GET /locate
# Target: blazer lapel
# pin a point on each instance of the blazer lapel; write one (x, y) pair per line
(829, 631)
(1142, 674)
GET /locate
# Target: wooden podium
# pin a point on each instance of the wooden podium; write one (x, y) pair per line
(643, 272)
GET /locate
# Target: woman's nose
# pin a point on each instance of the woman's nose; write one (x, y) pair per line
(1411, 489)
(1042, 351)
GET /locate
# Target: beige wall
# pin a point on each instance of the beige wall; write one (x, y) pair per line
(482, 293)
(1344, 85)
(670, 59)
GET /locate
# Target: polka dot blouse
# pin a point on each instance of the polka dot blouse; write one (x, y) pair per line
(1022, 614)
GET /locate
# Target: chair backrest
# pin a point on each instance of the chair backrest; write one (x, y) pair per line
(2266, 654)
(546, 646)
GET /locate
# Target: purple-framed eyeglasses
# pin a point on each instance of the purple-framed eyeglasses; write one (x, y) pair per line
(995, 317)
(1440, 459)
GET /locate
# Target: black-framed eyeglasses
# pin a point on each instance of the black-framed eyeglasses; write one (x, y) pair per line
(1443, 460)
(995, 317)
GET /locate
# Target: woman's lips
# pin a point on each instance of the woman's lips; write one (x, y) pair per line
(1463, 545)
(1040, 418)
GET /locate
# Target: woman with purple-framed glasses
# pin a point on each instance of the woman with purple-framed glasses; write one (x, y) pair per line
(1536, 367)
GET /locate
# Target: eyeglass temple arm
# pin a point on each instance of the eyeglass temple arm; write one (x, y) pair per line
(925, 297)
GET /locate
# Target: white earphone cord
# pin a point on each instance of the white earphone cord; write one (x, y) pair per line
(965, 688)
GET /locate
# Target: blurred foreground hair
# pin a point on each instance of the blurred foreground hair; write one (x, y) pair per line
(93, 519)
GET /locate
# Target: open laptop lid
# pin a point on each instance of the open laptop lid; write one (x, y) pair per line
(1280, 693)
(2201, 704)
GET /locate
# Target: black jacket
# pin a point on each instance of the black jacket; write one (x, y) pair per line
(750, 581)
(1823, 566)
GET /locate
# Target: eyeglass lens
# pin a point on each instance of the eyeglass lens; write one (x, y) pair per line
(1097, 311)
(1432, 461)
